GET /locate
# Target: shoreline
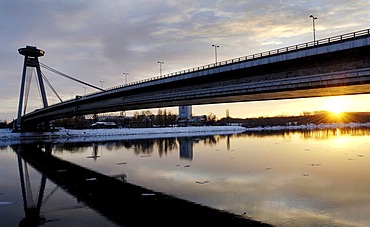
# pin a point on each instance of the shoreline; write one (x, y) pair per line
(62, 135)
(310, 127)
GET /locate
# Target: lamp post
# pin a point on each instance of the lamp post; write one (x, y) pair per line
(84, 90)
(160, 67)
(125, 74)
(313, 28)
(102, 83)
(215, 46)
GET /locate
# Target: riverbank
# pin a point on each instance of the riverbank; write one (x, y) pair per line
(63, 135)
(309, 127)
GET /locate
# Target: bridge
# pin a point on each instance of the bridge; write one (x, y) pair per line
(338, 65)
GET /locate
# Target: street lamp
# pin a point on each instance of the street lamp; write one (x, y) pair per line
(125, 74)
(313, 28)
(215, 46)
(101, 83)
(160, 67)
(84, 90)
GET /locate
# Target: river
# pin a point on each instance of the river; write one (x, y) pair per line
(283, 178)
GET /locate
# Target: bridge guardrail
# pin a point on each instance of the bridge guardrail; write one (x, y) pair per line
(311, 44)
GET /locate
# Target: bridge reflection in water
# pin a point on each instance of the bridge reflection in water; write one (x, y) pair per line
(120, 202)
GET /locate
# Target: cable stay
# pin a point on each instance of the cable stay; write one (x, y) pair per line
(51, 86)
(38, 87)
(69, 77)
(27, 89)
(28, 81)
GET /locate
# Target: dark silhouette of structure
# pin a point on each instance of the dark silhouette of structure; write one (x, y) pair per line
(31, 59)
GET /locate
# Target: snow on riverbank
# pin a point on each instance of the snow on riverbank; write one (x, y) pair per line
(310, 127)
(95, 135)
(90, 135)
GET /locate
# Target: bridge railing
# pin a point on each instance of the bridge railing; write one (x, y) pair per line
(302, 46)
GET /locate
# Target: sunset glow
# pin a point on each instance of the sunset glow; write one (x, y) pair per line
(336, 104)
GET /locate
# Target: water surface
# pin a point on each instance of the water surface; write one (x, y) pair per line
(308, 178)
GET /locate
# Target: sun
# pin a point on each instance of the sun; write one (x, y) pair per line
(335, 109)
(335, 104)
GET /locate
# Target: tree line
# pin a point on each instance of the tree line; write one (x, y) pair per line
(165, 118)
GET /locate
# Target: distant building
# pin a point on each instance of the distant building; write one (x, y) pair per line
(186, 117)
(185, 112)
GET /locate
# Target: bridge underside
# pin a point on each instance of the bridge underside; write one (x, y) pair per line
(214, 97)
(288, 94)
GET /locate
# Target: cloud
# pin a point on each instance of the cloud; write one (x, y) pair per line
(98, 40)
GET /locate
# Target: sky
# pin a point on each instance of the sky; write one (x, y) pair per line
(99, 41)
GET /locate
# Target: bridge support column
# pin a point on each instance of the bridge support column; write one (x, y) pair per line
(31, 55)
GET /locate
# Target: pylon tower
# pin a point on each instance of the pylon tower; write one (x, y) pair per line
(31, 55)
